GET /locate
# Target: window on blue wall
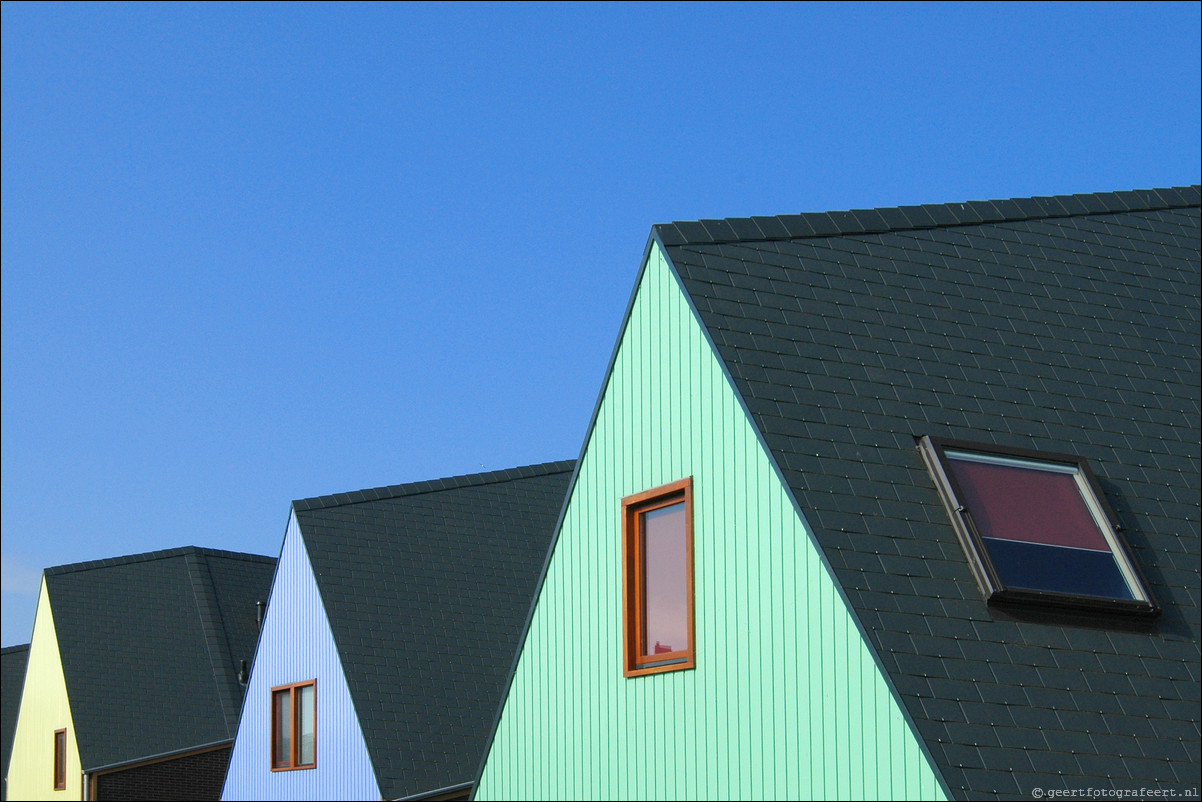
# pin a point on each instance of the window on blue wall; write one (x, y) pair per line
(294, 726)
(1036, 527)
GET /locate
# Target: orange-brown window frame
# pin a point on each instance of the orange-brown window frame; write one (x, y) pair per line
(294, 723)
(634, 663)
(60, 760)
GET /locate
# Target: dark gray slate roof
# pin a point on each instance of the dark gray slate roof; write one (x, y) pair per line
(1066, 324)
(427, 587)
(151, 645)
(12, 680)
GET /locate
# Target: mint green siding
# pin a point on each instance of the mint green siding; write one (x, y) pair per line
(786, 701)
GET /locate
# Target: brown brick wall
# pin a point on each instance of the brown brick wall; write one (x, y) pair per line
(184, 778)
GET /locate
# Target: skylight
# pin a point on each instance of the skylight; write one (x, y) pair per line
(1035, 527)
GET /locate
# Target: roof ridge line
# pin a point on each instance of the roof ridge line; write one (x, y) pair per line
(233, 555)
(212, 625)
(149, 556)
(433, 485)
(886, 219)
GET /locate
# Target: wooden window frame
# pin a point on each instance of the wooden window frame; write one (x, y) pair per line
(634, 663)
(294, 722)
(992, 588)
(60, 760)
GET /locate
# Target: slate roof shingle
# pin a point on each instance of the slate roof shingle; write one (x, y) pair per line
(151, 645)
(1066, 324)
(428, 621)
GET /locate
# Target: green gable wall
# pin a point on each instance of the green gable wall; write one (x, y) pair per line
(786, 701)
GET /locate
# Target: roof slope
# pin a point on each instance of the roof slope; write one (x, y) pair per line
(427, 587)
(151, 645)
(1066, 324)
(12, 679)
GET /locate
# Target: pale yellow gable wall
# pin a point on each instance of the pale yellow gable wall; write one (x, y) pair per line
(44, 709)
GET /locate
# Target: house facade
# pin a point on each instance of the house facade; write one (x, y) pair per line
(132, 683)
(44, 750)
(798, 558)
(394, 616)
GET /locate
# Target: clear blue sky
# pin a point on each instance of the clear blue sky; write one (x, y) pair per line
(253, 253)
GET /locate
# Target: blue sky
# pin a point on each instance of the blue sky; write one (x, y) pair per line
(253, 253)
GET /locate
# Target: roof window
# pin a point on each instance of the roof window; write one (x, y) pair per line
(1036, 528)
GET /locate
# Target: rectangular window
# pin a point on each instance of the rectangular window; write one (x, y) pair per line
(60, 760)
(657, 579)
(294, 726)
(1036, 528)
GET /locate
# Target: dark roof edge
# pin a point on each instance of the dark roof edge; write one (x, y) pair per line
(433, 486)
(441, 792)
(24, 647)
(153, 555)
(182, 752)
(909, 218)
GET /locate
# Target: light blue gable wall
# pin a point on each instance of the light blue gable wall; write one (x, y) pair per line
(296, 645)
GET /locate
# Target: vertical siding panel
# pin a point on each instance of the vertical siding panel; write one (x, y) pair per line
(540, 755)
(705, 578)
(885, 756)
(898, 756)
(727, 700)
(913, 778)
(821, 681)
(747, 609)
(835, 709)
(518, 763)
(578, 714)
(869, 729)
(559, 719)
(548, 715)
(793, 578)
(843, 710)
(595, 581)
(734, 599)
(785, 701)
(778, 776)
(512, 742)
(748, 535)
(608, 488)
(536, 725)
(817, 689)
(719, 545)
(784, 776)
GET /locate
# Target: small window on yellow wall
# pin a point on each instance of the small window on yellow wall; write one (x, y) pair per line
(294, 726)
(657, 579)
(60, 760)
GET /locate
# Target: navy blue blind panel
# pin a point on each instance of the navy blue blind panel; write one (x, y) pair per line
(1064, 570)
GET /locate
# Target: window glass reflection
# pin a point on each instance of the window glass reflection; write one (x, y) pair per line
(282, 702)
(306, 731)
(665, 581)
